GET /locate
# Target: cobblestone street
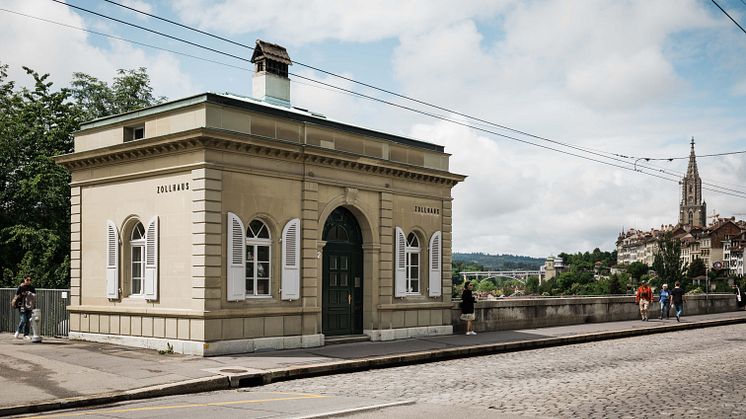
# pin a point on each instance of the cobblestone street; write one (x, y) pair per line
(696, 374)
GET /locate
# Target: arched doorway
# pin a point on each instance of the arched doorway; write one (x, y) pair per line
(342, 275)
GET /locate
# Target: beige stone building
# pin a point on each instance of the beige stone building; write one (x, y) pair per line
(221, 224)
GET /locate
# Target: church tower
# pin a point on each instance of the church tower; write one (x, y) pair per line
(692, 210)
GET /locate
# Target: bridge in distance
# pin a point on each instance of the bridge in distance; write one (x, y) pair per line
(519, 275)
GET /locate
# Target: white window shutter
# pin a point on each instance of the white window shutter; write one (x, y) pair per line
(151, 259)
(290, 288)
(236, 259)
(400, 268)
(436, 269)
(112, 260)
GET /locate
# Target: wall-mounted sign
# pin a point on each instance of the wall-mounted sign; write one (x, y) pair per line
(419, 209)
(172, 187)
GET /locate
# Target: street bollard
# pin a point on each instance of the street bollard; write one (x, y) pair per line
(36, 325)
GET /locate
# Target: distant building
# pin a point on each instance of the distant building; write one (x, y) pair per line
(639, 246)
(707, 243)
(553, 266)
(733, 254)
(698, 240)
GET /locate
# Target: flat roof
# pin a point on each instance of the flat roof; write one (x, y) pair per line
(261, 107)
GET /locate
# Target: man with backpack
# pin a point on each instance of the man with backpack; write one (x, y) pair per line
(643, 298)
(25, 302)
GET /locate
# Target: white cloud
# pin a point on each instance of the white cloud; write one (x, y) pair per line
(61, 51)
(297, 23)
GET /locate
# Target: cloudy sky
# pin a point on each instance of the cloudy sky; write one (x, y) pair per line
(634, 78)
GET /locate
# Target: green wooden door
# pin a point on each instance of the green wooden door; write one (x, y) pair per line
(342, 270)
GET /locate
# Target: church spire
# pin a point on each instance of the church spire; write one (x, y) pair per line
(691, 171)
(692, 210)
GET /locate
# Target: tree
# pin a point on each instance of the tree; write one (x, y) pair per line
(637, 269)
(130, 90)
(486, 285)
(696, 268)
(666, 263)
(34, 195)
(617, 284)
(532, 285)
(35, 125)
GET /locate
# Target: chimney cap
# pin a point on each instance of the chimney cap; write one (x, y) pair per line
(270, 51)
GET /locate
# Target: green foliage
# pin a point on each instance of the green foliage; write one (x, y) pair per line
(618, 284)
(588, 260)
(696, 268)
(532, 285)
(130, 90)
(637, 270)
(35, 125)
(486, 286)
(666, 263)
(34, 193)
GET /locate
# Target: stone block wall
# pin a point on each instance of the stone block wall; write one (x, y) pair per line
(528, 313)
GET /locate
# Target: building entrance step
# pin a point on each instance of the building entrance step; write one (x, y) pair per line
(335, 340)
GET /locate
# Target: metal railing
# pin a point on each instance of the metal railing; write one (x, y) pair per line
(55, 319)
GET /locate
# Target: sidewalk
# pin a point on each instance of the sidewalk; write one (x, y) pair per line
(60, 374)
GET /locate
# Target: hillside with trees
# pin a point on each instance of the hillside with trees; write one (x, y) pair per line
(498, 262)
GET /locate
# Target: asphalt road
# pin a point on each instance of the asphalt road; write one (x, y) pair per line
(696, 373)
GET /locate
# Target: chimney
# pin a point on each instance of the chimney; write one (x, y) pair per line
(271, 83)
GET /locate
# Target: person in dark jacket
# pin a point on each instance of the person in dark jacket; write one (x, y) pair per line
(24, 325)
(678, 298)
(467, 308)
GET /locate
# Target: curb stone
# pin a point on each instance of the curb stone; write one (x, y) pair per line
(198, 385)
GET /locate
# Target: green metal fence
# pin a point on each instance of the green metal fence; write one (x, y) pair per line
(55, 320)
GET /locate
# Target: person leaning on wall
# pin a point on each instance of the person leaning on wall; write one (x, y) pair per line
(467, 307)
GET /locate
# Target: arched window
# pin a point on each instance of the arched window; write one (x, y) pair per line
(413, 263)
(137, 259)
(258, 259)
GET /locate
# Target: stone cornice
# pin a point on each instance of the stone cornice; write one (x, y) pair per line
(205, 139)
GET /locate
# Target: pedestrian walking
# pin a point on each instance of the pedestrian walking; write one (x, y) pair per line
(740, 296)
(678, 298)
(25, 302)
(643, 298)
(664, 297)
(467, 308)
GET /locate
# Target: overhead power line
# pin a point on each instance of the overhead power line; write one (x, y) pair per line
(729, 16)
(119, 38)
(588, 150)
(605, 155)
(681, 158)
(143, 44)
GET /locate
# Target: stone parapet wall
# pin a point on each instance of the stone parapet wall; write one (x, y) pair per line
(528, 313)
